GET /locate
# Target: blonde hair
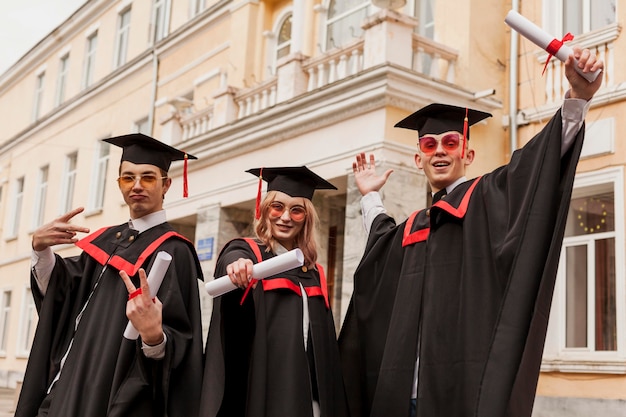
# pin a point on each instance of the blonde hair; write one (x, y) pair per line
(305, 240)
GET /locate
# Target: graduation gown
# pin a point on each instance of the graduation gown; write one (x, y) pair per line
(256, 364)
(471, 280)
(106, 374)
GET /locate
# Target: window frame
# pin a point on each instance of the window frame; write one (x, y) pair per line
(553, 17)
(324, 44)
(122, 37)
(40, 83)
(196, 7)
(556, 355)
(99, 174)
(27, 324)
(41, 194)
(5, 320)
(68, 185)
(159, 22)
(14, 220)
(89, 64)
(64, 66)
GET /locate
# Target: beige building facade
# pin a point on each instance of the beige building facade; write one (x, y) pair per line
(249, 83)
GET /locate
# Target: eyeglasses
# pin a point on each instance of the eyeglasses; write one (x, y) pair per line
(146, 180)
(296, 213)
(450, 142)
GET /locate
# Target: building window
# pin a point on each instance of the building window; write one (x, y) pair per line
(5, 316)
(69, 182)
(160, 19)
(196, 7)
(423, 10)
(40, 197)
(18, 198)
(590, 289)
(28, 324)
(96, 200)
(283, 44)
(142, 126)
(343, 21)
(39, 87)
(90, 59)
(121, 44)
(64, 64)
(578, 16)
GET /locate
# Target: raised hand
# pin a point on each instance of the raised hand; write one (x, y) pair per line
(588, 62)
(59, 231)
(144, 311)
(365, 174)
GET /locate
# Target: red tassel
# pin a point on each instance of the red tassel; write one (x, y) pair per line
(185, 185)
(257, 212)
(465, 123)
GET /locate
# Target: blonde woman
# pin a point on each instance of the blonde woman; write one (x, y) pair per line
(271, 350)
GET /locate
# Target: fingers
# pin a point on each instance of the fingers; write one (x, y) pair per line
(130, 287)
(143, 283)
(361, 163)
(70, 214)
(240, 272)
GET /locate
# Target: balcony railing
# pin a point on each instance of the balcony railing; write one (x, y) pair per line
(258, 98)
(601, 42)
(433, 59)
(335, 65)
(298, 74)
(197, 123)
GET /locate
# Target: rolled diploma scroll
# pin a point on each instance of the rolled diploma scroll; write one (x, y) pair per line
(155, 278)
(281, 263)
(542, 39)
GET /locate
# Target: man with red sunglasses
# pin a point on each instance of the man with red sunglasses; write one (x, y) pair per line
(450, 308)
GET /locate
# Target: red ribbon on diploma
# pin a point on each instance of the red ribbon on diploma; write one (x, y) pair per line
(554, 47)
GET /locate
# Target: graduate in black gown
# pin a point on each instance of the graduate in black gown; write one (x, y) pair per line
(80, 364)
(450, 308)
(272, 348)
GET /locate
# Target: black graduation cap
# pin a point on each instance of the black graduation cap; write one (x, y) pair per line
(142, 149)
(438, 118)
(294, 181)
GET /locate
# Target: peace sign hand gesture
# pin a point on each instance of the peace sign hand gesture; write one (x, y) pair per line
(144, 312)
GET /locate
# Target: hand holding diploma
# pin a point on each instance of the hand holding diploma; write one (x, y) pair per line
(589, 69)
(241, 271)
(142, 306)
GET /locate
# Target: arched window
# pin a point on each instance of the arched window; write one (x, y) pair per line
(343, 21)
(283, 39)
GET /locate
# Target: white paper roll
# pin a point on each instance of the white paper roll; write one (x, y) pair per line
(155, 278)
(542, 39)
(281, 263)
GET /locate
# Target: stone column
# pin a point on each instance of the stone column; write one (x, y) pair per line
(224, 106)
(388, 38)
(298, 24)
(215, 227)
(291, 78)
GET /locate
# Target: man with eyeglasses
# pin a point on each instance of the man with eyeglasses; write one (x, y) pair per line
(450, 308)
(80, 363)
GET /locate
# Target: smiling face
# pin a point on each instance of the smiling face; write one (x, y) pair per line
(287, 216)
(442, 165)
(143, 196)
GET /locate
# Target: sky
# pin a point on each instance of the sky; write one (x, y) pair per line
(23, 23)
